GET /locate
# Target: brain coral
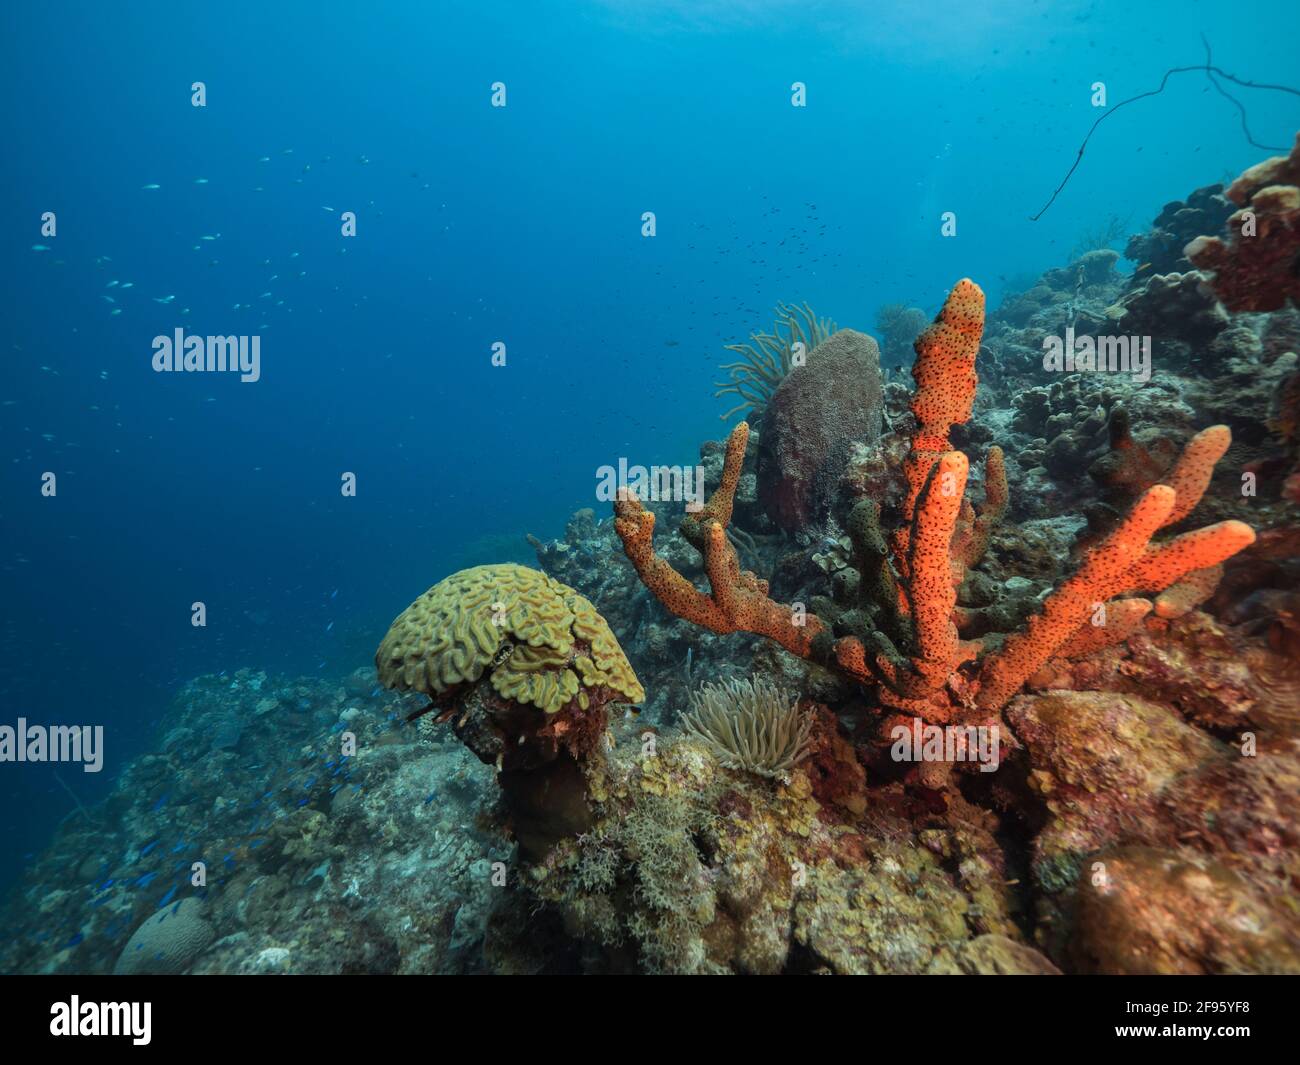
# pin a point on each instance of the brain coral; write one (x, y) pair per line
(542, 643)
(167, 942)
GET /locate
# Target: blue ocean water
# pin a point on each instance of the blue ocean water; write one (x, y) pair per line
(476, 225)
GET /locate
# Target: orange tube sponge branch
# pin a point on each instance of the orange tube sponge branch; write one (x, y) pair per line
(1191, 474)
(1101, 576)
(973, 537)
(945, 377)
(1125, 561)
(945, 364)
(931, 592)
(1115, 624)
(1162, 565)
(738, 601)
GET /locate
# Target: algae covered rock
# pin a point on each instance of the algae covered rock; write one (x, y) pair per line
(690, 867)
(994, 955)
(1100, 761)
(1147, 910)
(1254, 268)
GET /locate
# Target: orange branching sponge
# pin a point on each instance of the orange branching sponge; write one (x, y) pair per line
(1191, 474)
(900, 634)
(1188, 593)
(915, 681)
(931, 591)
(945, 365)
(1164, 564)
(1114, 623)
(975, 530)
(1101, 576)
(1126, 561)
(719, 506)
(739, 601)
(945, 377)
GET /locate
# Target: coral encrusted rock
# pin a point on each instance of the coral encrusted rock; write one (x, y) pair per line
(524, 669)
(1255, 268)
(1145, 910)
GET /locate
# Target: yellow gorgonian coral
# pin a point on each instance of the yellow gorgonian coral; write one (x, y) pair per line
(541, 642)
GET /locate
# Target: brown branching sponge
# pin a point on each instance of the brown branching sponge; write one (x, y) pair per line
(899, 633)
(738, 601)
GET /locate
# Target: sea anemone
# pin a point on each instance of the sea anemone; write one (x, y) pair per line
(751, 725)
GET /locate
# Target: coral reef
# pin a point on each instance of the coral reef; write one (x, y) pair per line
(1099, 236)
(1112, 661)
(693, 868)
(315, 860)
(168, 942)
(1160, 249)
(899, 326)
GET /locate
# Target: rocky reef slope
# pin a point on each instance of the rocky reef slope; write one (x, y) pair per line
(1141, 813)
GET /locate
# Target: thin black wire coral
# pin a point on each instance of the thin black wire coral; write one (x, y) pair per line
(751, 725)
(766, 359)
(1213, 73)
